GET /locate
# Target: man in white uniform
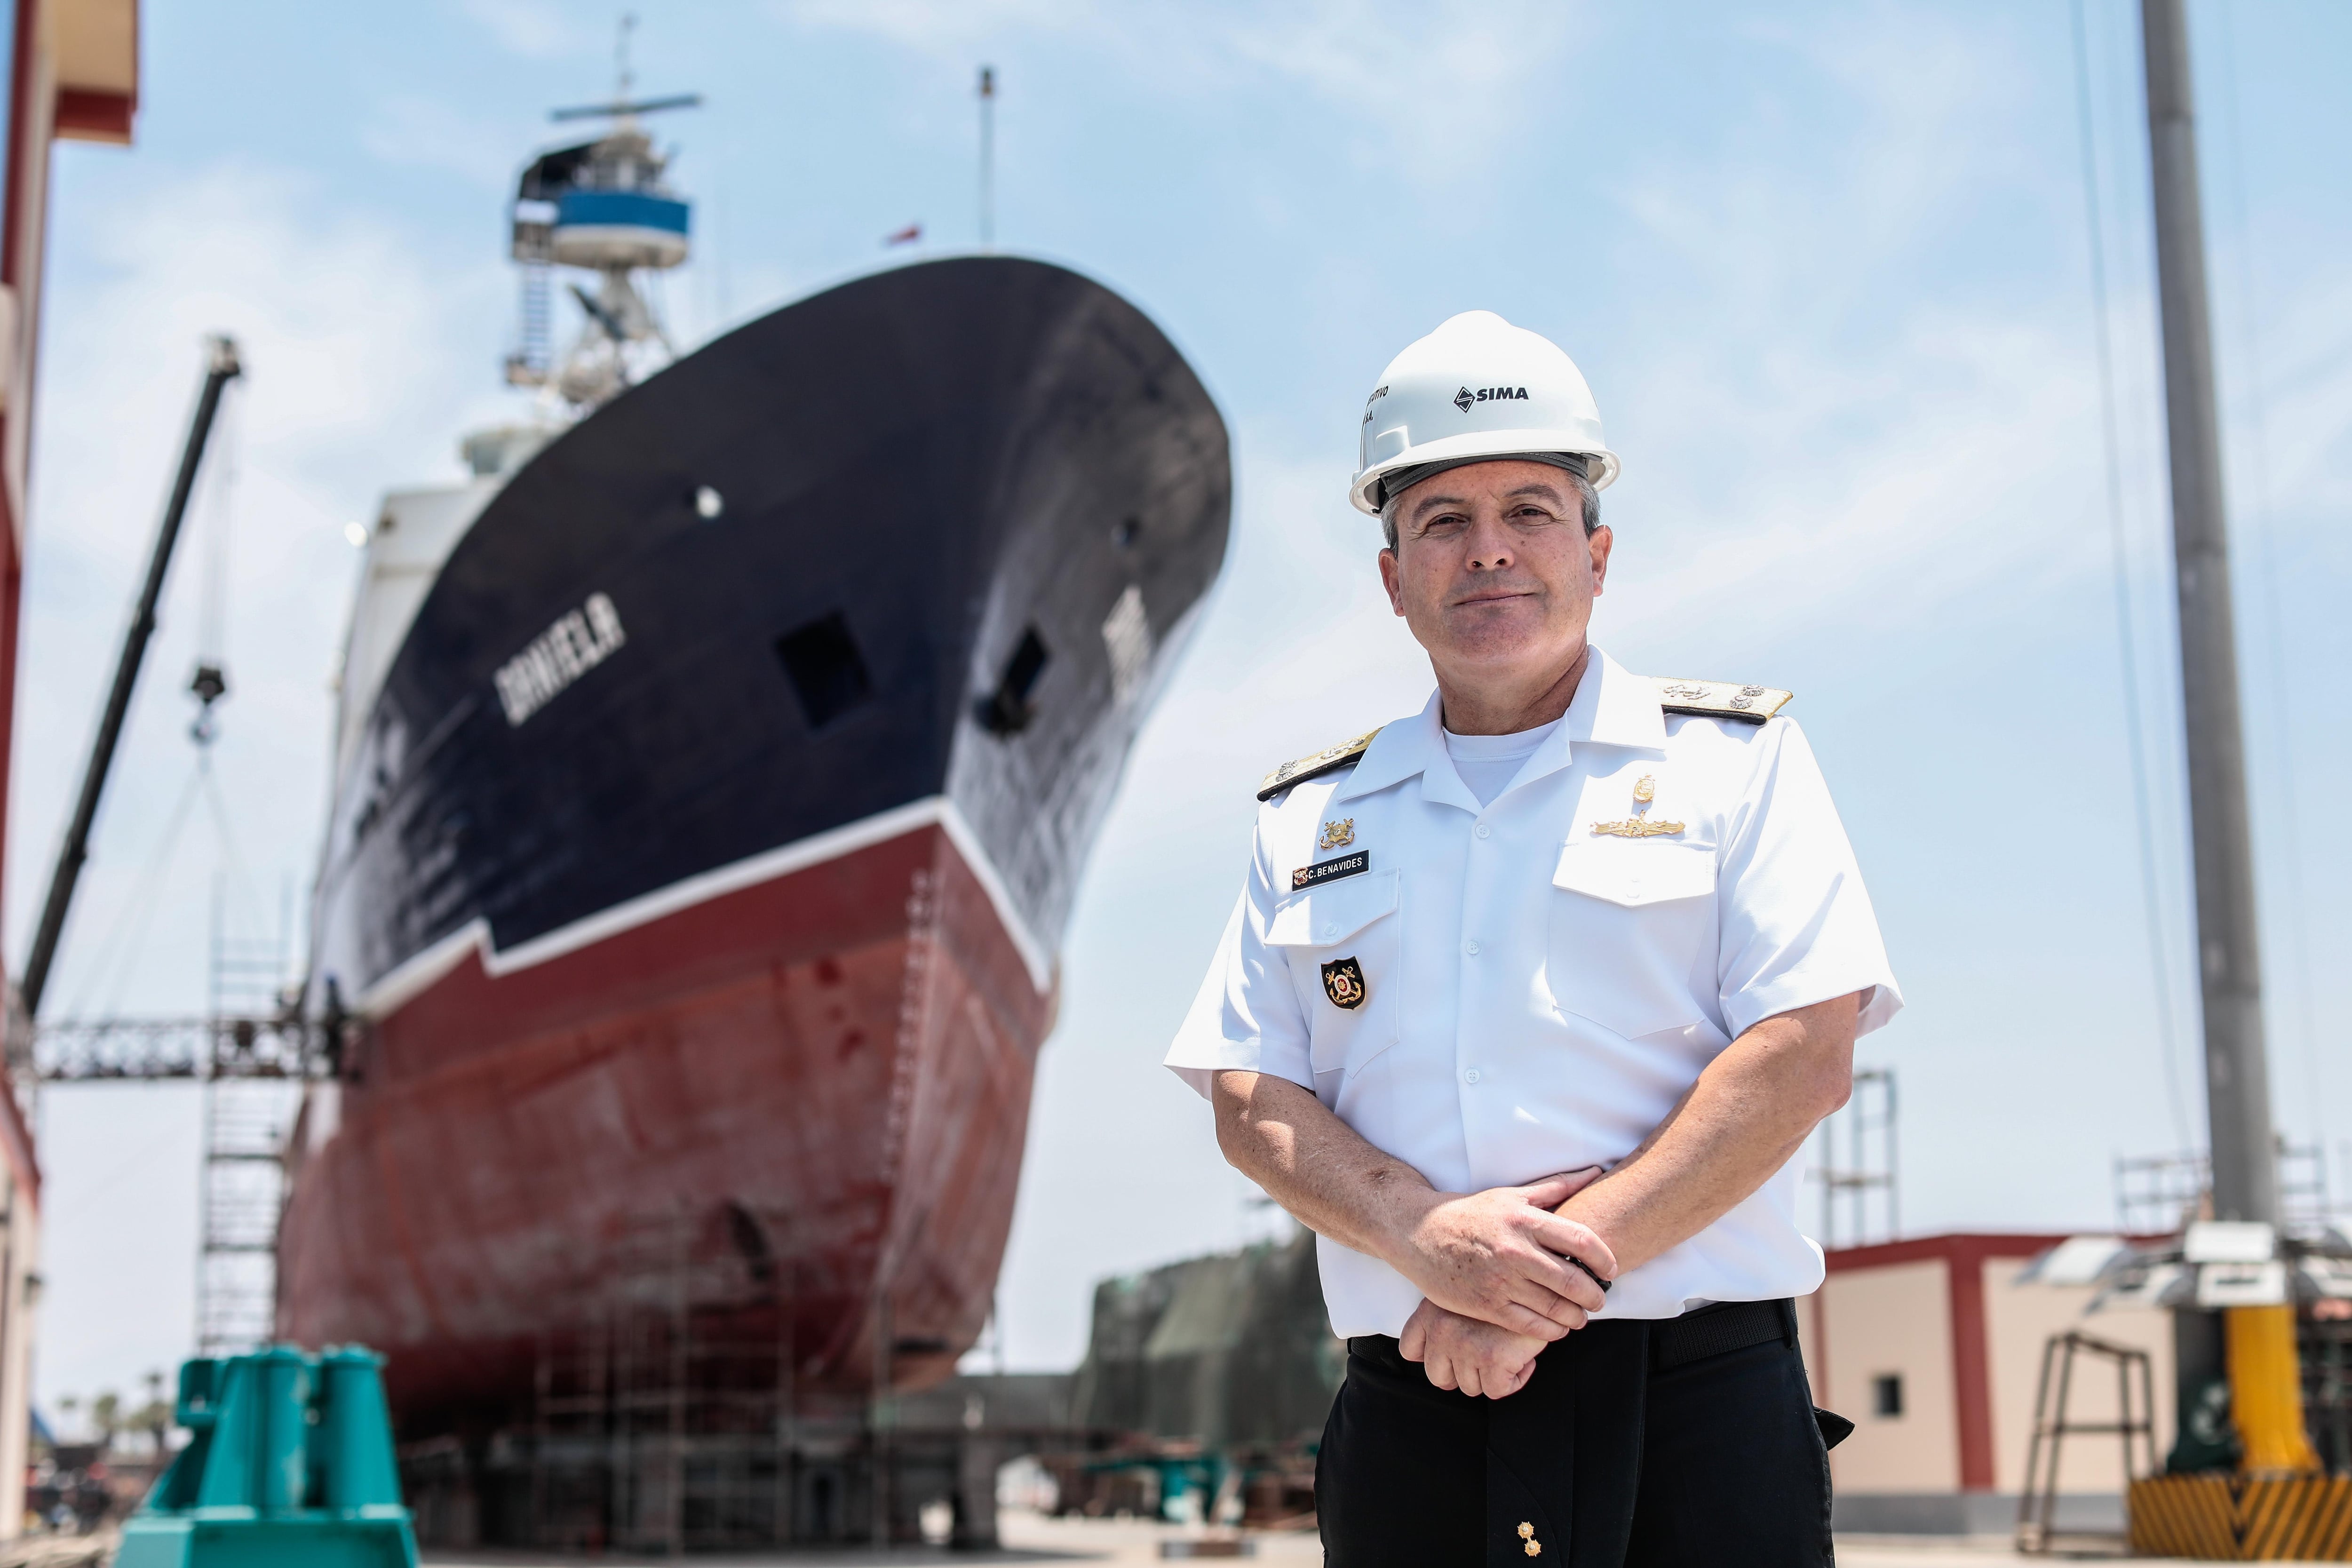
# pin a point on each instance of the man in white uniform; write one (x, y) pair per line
(1528, 1004)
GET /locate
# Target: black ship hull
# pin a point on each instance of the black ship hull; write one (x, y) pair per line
(914, 471)
(707, 847)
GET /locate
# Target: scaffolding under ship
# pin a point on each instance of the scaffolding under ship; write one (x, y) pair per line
(711, 776)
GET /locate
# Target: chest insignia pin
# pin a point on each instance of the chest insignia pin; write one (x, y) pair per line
(1337, 834)
(1343, 982)
(1639, 826)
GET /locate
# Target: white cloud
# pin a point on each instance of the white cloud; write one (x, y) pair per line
(2306, 402)
(936, 26)
(1427, 89)
(538, 29)
(408, 130)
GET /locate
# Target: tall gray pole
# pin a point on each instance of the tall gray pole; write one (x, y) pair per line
(2229, 966)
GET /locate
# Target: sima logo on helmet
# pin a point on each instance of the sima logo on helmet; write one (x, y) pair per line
(1465, 397)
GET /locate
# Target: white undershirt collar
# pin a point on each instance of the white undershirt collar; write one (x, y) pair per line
(1487, 764)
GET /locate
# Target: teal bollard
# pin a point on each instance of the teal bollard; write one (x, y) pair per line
(282, 1468)
(361, 1472)
(290, 1465)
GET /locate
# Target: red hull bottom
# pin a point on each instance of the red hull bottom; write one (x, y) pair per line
(828, 1073)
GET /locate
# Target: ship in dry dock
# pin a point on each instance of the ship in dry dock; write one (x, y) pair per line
(712, 774)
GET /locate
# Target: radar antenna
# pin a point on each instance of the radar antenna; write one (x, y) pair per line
(622, 107)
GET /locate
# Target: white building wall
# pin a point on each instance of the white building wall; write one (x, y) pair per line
(2018, 1321)
(1896, 1320)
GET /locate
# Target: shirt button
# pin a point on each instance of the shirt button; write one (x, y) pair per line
(1471, 948)
(1470, 1077)
(1330, 930)
(1484, 831)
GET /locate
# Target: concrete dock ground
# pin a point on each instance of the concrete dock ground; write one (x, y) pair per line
(1032, 1539)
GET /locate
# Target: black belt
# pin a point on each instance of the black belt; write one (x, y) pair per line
(1705, 1331)
(1719, 1330)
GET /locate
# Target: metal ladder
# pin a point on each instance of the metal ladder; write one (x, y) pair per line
(246, 1119)
(2037, 1505)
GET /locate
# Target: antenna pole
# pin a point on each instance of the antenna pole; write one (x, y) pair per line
(220, 367)
(2237, 1079)
(987, 157)
(2257, 1350)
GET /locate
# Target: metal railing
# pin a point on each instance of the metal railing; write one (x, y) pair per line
(147, 1050)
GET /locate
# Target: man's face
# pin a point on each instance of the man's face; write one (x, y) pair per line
(1493, 571)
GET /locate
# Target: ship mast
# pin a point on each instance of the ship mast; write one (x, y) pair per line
(987, 157)
(605, 208)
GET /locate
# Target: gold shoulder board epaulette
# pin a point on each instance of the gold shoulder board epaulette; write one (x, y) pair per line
(1720, 698)
(1307, 767)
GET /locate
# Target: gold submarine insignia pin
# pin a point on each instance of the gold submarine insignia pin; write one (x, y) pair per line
(1337, 834)
(1639, 825)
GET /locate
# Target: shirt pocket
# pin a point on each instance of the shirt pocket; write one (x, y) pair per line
(1632, 927)
(1342, 944)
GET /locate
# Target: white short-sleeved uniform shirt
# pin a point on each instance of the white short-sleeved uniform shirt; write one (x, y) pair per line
(1535, 996)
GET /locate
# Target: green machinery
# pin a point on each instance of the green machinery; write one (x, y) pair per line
(291, 1464)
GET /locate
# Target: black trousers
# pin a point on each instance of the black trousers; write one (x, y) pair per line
(1619, 1453)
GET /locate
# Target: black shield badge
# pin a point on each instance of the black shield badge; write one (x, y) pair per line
(1343, 982)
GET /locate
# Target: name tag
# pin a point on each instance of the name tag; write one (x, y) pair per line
(1331, 871)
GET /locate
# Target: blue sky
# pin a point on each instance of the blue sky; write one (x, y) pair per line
(1826, 267)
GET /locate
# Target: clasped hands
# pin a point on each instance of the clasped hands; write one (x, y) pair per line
(1496, 1282)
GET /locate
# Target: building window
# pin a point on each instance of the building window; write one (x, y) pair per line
(1886, 1395)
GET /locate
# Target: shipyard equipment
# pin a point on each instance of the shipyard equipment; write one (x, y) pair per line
(291, 1463)
(220, 367)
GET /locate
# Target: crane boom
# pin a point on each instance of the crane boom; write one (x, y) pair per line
(220, 367)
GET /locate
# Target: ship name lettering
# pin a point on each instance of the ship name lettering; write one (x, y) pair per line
(577, 643)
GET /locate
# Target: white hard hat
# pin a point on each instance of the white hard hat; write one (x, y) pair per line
(1477, 387)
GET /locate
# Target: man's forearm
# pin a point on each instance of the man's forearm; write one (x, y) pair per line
(1753, 1108)
(1316, 1165)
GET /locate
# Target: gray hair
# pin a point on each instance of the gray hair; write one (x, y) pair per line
(1573, 463)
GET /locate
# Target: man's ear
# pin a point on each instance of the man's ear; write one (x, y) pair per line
(1390, 580)
(1599, 543)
